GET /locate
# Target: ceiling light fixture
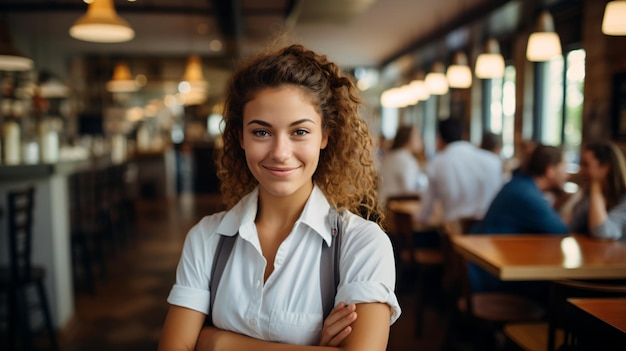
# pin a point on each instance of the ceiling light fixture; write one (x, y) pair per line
(122, 81)
(198, 86)
(436, 80)
(490, 64)
(418, 88)
(459, 74)
(101, 24)
(614, 21)
(10, 58)
(544, 44)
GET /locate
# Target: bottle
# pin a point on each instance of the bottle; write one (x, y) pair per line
(49, 143)
(12, 142)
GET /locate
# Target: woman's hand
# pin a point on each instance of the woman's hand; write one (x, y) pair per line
(338, 325)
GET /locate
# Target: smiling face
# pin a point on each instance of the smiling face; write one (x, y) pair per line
(590, 167)
(282, 138)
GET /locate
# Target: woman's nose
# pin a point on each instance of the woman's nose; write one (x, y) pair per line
(281, 148)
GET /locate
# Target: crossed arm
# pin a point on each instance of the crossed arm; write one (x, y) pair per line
(183, 331)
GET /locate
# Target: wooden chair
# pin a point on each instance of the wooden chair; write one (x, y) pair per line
(89, 224)
(424, 261)
(21, 274)
(486, 312)
(549, 335)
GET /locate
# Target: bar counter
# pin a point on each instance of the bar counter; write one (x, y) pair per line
(51, 227)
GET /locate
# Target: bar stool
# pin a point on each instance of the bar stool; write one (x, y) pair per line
(21, 274)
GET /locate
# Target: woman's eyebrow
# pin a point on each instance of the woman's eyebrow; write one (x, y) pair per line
(265, 124)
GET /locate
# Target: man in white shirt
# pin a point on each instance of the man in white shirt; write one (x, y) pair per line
(462, 177)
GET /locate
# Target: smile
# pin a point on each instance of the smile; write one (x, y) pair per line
(280, 171)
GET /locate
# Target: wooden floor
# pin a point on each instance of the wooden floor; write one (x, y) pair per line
(129, 305)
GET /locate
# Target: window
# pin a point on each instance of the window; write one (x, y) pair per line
(561, 111)
(500, 109)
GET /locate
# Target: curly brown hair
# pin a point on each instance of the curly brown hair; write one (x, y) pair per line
(346, 172)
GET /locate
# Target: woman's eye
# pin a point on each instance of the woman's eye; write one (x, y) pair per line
(301, 132)
(261, 133)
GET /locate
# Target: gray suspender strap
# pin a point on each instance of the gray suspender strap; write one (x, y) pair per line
(222, 253)
(329, 262)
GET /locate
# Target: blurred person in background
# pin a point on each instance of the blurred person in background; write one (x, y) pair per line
(521, 207)
(600, 209)
(462, 178)
(400, 170)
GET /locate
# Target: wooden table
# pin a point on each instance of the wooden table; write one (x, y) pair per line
(544, 257)
(595, 320)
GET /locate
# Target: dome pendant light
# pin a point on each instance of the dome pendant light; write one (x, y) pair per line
(10, 58)
(101, 24)
(544, 44)
(459, 74)
(436, 80)
(490, 64)
(614, 21)
(122, 81)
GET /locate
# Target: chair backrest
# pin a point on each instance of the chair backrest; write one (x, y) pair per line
(565, 289)
(455, 278)
(398, 226)
(20, 219)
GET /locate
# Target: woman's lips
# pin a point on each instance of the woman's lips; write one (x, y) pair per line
(281, 172)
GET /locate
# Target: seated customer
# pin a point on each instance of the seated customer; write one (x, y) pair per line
(461, 177)
(400, 170)
(521, 208)
(601, 212)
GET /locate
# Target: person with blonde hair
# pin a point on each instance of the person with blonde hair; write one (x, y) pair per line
(601, 211)
(294, 149)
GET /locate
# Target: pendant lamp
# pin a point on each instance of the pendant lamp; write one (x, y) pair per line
(614, 21)
(122, 81)
(490, 64)
(459, 74)
(419, 90)
(101, 24)
(197, 86)
(436, 80)
(10, 58)
(544, 44)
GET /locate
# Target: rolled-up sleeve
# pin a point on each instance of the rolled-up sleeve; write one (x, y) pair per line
(368, 271)
(191, 289)
(615, 224)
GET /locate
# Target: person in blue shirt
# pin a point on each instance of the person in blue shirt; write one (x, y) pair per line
(521, 207)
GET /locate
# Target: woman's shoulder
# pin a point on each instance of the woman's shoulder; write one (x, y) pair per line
(206, 227)
(360, 229)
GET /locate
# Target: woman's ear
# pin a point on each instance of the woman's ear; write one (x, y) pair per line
(324, 141)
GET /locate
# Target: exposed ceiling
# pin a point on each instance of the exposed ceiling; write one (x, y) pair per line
(351, 32)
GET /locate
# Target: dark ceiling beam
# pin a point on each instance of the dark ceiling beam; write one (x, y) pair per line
(466, 18)
(24, 7)
(230, 22)
(81, 7)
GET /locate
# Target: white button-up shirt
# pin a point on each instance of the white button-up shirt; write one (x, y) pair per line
(465, 179)
(288, 307)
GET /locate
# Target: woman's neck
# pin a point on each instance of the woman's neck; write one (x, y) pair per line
(281, 211)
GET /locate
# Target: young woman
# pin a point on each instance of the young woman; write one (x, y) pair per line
(601, 212)
(294, 146)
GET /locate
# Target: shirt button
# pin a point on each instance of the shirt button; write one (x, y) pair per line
(253, 321)
(257, 284)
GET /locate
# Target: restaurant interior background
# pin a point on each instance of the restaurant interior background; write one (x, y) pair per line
(131, 91)
(154, 100)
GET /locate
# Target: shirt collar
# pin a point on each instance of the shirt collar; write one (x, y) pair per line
(314, 215)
